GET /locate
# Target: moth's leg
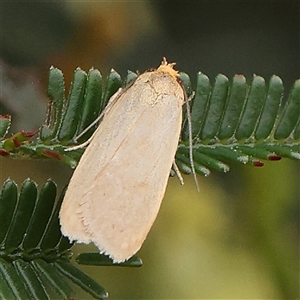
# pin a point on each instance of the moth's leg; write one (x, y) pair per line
(82, 145)
(176, 170)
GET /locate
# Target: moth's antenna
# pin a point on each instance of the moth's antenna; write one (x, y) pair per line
(110, 103)
(189, 120)
(113, 99)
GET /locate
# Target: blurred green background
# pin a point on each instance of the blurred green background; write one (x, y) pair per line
(239, 237)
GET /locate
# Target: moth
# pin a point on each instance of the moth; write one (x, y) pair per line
(117, 188)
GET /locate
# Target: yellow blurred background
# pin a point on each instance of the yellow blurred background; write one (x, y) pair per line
(239, 237)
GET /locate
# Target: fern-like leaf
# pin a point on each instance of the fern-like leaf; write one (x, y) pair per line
(232, 120)
(33, 253)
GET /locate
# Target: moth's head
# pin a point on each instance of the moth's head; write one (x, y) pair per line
(167, 68)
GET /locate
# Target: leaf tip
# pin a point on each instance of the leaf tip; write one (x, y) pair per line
(257, 163)
(4, 152)
(7, 116)
(274, 157)
(52, 154)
